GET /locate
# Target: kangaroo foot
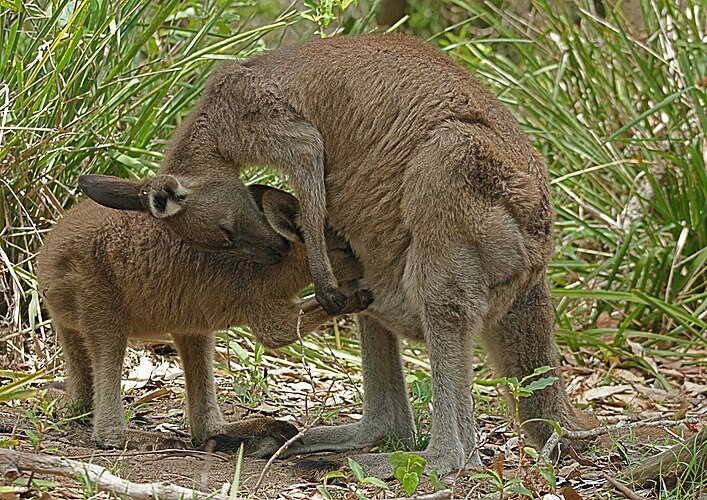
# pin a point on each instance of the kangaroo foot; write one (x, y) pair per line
(137, 440)
(261, 437)
(312, 469)
(378, 464)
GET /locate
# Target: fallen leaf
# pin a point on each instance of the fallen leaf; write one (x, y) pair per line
(570, 494)
(152, 395)
(140, 375)
(606, 391)
(694, 389)
(628, 375)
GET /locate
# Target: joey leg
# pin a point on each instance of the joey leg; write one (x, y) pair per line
(261, 436)
(196, 352)
(386, 407)
(109, 426)
(79, 371)
(521, 341)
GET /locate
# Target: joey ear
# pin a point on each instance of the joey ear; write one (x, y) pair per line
(282, 212)
(257, 191)
(113, 192)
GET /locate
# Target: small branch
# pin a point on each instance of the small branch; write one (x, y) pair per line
(554, 439)
(623, 489)
(99, 476)
(552, 442)
(175, 452)
(281, 450)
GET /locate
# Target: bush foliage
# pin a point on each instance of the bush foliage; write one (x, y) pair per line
(617, 108)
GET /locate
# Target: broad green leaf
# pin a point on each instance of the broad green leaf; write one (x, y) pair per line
(356, 469)
(410, 482)
(375, 482)
(540, 383)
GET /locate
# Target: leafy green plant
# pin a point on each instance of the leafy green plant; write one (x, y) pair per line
(501, 485)
(44, 417)
(408, 469)
(522, 388)
(357, 473)
(250, 380)
(19, 388)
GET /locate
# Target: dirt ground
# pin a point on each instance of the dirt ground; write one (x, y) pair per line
(155, 398)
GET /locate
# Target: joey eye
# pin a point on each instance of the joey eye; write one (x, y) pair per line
(181, 197)
(228, 232)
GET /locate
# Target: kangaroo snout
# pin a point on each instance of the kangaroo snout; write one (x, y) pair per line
(264, 253)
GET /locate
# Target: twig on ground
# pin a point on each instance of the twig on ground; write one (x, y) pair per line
(98, 476)
(671, 461)
(281, 450)
(623, 489)
(554, 439)
(170, 452)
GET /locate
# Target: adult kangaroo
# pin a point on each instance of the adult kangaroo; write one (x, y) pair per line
(442, 197)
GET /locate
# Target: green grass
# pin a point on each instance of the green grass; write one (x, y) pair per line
(99, 86)
(621, 118)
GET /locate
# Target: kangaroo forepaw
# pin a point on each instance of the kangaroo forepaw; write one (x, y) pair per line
(364, 298)
(332, 300)
(357, 298)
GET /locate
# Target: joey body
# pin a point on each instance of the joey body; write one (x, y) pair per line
(442, 197)
(108, 275)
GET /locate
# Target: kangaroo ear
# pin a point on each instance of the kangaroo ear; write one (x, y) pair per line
(282, 211)
(113, 192)
(164, 196)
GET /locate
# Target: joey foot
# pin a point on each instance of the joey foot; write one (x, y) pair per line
(261, 437)
(137, 440)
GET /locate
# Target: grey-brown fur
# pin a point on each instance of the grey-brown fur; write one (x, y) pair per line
(108, 275)
(442, 197)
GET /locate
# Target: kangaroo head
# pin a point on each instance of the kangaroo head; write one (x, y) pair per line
(217, 214)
